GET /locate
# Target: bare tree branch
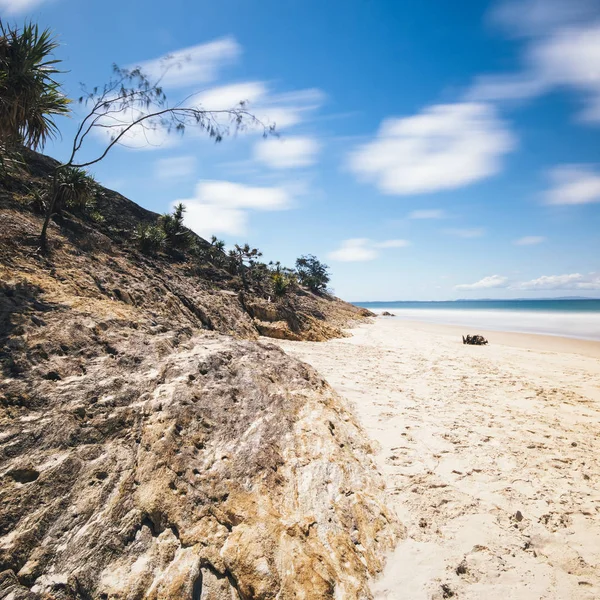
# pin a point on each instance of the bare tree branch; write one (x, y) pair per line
(131, 92)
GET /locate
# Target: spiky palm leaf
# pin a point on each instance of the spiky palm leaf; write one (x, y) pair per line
(76, 188)
(29, 95)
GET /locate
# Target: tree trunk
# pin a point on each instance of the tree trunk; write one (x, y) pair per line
(50, 211)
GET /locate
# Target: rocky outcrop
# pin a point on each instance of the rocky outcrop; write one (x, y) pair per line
(214, 469)
(153, 447)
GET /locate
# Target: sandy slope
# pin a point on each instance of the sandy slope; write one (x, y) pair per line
(491, 456)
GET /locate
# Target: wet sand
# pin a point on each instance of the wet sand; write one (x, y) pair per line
(491, 456)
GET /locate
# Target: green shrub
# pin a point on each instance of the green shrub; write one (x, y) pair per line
(281, 284)
(282, 279)
(177, 236)
(150, 239)
(76, 189)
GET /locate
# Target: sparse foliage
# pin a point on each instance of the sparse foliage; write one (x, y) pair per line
(312, 273)
(177, 236)
(149, 238)
(282, 279)
(244, 260)
(129, 104)
(214, 253)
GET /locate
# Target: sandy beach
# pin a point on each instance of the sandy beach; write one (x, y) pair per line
(490, 455)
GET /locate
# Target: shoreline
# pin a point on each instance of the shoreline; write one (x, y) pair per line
(530, 341)
(576, 325)
(490, 455)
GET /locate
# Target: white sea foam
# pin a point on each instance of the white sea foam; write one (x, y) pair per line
(582, 325)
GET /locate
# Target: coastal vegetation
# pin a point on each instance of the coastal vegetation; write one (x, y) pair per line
(31, 99)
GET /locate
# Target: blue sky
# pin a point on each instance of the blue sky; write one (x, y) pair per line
(428, 149)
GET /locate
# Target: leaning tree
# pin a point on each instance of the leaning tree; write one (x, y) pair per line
(131, 106)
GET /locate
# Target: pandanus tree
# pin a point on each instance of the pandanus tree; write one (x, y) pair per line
(30, 97)
(244, 260)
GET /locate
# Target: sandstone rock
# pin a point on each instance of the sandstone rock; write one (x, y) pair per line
(224, 466)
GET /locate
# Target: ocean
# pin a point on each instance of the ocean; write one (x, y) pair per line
(578, 318)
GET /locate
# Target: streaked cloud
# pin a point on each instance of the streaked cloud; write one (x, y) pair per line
(287, 152)
(538, 17)
(193, 65)
(529, 240)
(177, 167)
(363, 249)
(223, 207)
(444, 147)
(490, 282)
(228, 96)
(148, 135)
(354, 250)
(282, 110)
(574, 184)
(570, 281)
(562, 52)
(435, 213)
(17, 7)
(474, 232)
(393, 244)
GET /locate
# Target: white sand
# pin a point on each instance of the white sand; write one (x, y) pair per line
(467, 436)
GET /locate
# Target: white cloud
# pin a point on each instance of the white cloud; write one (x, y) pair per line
(282, 110)
(177, 167)
(201, 64)
(490, 282)
(354, 250)
(475, 232)
(363, 249)
(427, 214)
(193, 65)
(574, 184)
(212, 219)
(571, 281)
(563, 52)
(529, 240)
(15, 7)
(393, 244)
(229, 96)
(537, 17)
(148, 135)
(444, 147)
(222, 207)
(286, 152)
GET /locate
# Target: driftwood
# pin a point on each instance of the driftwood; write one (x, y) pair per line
(474, 340)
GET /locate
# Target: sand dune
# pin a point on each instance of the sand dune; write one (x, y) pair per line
(491, 457)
